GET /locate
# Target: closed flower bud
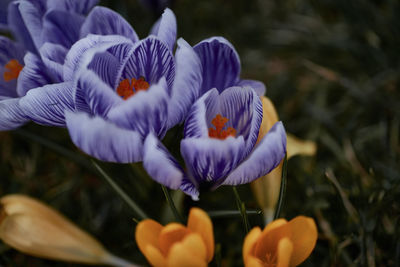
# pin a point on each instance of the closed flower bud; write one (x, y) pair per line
(34, 228)
(266, 189)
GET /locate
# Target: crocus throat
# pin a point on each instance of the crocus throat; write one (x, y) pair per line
(13, 68)
(219, 122)
(128, 88)
(270, 260)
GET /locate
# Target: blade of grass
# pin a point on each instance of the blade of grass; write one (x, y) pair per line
(232, 213)
(171, 203)
(282, 190)
(139, 212)
(242, 209)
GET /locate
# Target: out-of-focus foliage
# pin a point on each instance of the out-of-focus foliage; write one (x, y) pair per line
(332, 70)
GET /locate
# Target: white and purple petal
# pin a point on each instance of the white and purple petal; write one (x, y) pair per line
(61, 27)
(187, 82)
(152, 60)
(95, 93)
(104, 21)
(46, 105)
(76, 6)
(160, 164)
(53, 56)
(258, 86)
(210, 160)
(243, 108)
(77, 58)
(11, 114)
(104, 140)
(144, 112)
(33, 75)
(25, 21)
(165, 28)
(265, 157)
(221, 63)
(198, 120)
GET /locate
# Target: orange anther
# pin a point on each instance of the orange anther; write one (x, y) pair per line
(13, 68)
(219, 123)
(128, 88)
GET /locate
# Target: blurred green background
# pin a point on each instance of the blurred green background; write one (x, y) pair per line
(331, 68)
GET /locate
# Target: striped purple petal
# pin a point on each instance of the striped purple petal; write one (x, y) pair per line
(77, 6)
(165, 28)
(160, 164)
(210, 160)
(266, 156)
(11, 114)
(258, 86)
(243, 109)
(61, 27)
(46, 105)
(104, 140)
(152, 60)
(144, 112)
(104, 21)
(33, 75)
(187, 82)
(221, 63)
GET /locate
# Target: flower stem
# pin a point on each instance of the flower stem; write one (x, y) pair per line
(242, 209)
(171, 204)
(282, 190)
(141, 214)
(232, 213)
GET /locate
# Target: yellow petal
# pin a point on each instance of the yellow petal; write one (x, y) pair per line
(199, 222)
(182, 256)
(266, 190)
(270, 117)
(147, 234)
(304, 237)
(154, 256)
(296, 146)
(250, 241)
(195, 243)
(284, 253)
(34, 228)
(171, 234)
(270, 237)
(253, 262)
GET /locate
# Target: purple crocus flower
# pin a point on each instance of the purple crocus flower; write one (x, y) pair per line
(126, 90)
(36, 22)
(221, 66)
(44, 36)
(46, 102)
(219, 145)
(11, 54)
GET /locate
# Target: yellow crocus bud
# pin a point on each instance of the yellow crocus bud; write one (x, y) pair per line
(281, 243)
(266, 188)
(34, 228)
(175, 244)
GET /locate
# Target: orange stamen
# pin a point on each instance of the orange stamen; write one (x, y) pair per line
(13, 68)
(127, 88)
(219, 123)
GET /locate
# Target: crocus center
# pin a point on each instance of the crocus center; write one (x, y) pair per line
(269, 260)
(128, 88)
(219, 122)
(13, 68)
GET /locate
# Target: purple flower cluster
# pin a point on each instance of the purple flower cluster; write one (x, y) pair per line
(83, 67)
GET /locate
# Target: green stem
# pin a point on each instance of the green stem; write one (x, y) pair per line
(282, 190)
(232, 213)
(171, 204)
(242, 209)
(141, 214)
